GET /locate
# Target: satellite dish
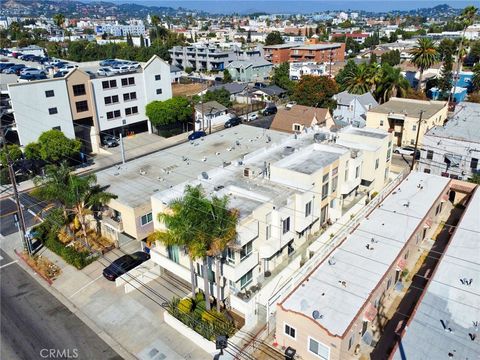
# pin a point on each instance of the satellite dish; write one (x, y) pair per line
(316, 315)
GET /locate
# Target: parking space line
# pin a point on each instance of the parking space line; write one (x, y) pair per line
(10, 263)
(84, 286)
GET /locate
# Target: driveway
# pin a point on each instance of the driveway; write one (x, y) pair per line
(134, 320)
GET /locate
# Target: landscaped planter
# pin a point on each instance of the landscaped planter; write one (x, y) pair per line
(190, 334)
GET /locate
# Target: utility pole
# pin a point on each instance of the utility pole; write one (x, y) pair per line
(416, 140)
(21, 218)
(122, 149)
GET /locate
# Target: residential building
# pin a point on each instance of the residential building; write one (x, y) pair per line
(293, 119)
(250, 70)
(352, 108)
(453, 150)
(210, 57)
(237, 91)
(268, 93)
(176, 73)
(401, 116)
(294, 52)
(294, 39)
(335, 305)
(135, 28)
(358, 37)
(298, 69)
(210, 114)
(86, 106)
(446, 317)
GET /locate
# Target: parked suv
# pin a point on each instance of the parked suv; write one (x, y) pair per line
(233, 122)
(124, 264)
(196, 135)
(270, 110)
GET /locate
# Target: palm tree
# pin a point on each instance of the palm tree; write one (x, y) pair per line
(391, 84)
(424, 55)
(360, 79)
(476, 77)
(467, 18)
(59, 19)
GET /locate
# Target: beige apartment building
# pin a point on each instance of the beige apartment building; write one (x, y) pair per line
(401, 117)
(329, 313)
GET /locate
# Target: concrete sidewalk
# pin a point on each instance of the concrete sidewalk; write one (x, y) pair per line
(132, 324)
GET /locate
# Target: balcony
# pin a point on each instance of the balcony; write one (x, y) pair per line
(113, 223)
(236, 271)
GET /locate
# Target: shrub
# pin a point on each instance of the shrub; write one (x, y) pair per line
(185, 305)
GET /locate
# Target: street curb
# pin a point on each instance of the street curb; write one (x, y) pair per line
(20, 255)
(115, 345)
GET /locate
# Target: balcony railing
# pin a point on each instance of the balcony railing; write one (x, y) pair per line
(114, 223)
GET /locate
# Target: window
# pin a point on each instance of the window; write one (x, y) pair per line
(109, 84)
(389, 283)
(129, 96)
(406, 255)
(159, 91)
(414, 127)
(290, 331)
(81, 106)
(427, 171)
(113, 114)
(246, 279)
(377, 162)
(158, 77)
(324, 191)
(350, 341)
(128, 81)
(473, 163)
(49, 93)
(286, 225)
(335, 171)
(334, 183)
(297, 127)
(246, 251)
(59, 128)
(79, 90)
(412, 142)
(268, 231)
(230, 255)
(131, 111)
(325, 178)
(318, 349)
(381, 122)
(146, 219)
(308, 208)
(53, 111)
(357, 172)
(323, 214)
(111, 99)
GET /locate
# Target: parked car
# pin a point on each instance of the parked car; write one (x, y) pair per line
(105, 71)
(251, 116)
(31, 71)
(61, 73)
(270, 110)
(69, 67)
(15, 69)
(110, 141)
(405, 150)
(5, 65)
(31, 77)
(124, 264)
(108, 62)
(233, 122)
(196, 135)
(121, 69)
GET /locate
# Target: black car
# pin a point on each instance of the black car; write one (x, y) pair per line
(110, 141)
(233, 122)
(196, 135)
(124, 264)
(271, 110)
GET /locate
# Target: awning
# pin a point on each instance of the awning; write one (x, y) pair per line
(370, 313)
(453, 160)
(401, 264)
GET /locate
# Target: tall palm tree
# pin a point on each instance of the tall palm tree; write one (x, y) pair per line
(424, 55)
(360, 79)
(467, 17)
(391, 84)
(59, 19)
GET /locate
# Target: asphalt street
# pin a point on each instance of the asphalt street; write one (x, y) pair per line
(35, 325)
(32, 210)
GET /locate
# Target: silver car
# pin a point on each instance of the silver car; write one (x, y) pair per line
(105, 71)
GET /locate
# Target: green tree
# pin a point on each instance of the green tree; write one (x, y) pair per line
(315, 91)
(445, 81)
(176, 109)
(344, 74)
(281, 76)
(227, 77)
(53, 146)
(359, 79)
(391, 57)
(59, 19)
(424, 55)
(222, 96)
(274, 38)
(14, 153)
(391, 84)
(142, 41)
(476, 77)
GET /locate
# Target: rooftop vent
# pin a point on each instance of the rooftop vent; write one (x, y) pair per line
(143, 172)
(288, 150)
(204, 175)
(316, 315)
(332, 261)
(319, 137)
(218, 187)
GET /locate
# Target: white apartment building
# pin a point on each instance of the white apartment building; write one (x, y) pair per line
(453, 150)
(134, 27)
(87, 106)
(299, 69)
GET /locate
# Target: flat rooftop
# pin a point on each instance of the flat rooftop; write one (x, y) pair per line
(319, 46)
(410, 107)
(340, 291)
(462, 126)
(368, 132)
(137, 180)
(447, 299)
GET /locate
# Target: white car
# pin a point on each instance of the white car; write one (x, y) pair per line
(105, 71)
(133, 65)
(31, 71)
(69, 67)
(121, 69)
(250, 117)
(406, 150)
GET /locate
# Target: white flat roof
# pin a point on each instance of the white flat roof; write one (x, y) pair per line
(447, 299)
(361, 269)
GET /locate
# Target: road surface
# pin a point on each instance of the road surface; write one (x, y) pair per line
(35, 325)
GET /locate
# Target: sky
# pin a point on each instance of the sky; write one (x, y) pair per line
(302, 6)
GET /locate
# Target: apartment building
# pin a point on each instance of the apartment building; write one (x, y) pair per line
(135, 28)
(453, 150)
(295, 118)
(210, 57)
(401, 117)
(332, 309)
(87, 106)
(294, 52)
(352, 108)
(446, 317)
(250, 70)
